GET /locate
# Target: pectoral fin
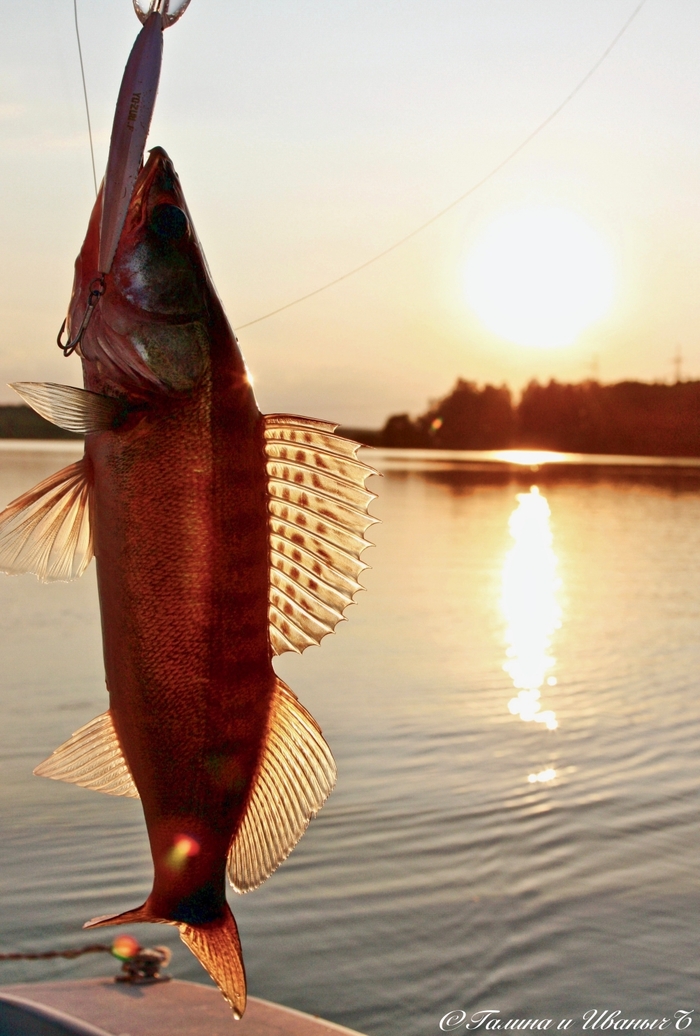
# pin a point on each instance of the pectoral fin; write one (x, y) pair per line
(295, 777)
(318, 520)
(92, 758)
(47, 530)
(74, 409)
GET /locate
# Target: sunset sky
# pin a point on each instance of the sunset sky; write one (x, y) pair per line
(311, 135)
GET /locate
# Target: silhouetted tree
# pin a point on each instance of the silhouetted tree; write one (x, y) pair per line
(400, 430)
(471, 418)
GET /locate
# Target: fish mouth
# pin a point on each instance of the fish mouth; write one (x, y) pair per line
(159, 175)
(158, 203)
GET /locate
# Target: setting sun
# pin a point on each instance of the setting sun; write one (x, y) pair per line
(539, 277)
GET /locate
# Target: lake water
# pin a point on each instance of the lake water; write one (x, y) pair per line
(514, 707)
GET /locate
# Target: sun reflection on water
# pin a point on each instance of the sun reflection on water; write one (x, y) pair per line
(543, 776)
(530, 607)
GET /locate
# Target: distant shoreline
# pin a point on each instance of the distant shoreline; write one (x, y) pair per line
(372, 438)
(434, 454)
(18, 421)
(628, 418)
(632, 419)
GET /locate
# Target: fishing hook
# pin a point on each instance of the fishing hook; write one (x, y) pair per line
(97, 290)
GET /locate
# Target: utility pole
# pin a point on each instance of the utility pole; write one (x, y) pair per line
(678, 364)
(595, 367)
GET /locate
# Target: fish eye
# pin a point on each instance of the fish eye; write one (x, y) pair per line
(169, 222)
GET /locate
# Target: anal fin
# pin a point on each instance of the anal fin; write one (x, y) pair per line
(92, 758)
(295, 776)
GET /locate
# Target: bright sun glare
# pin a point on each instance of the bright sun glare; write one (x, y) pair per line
(539, 277)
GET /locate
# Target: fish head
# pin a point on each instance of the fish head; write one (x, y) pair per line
(157, 268)
(152, 327)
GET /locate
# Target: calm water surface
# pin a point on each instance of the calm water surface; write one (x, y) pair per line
(514, 711)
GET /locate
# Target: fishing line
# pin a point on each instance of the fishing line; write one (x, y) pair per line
(93, 947)
(475, 187)
(87, 107)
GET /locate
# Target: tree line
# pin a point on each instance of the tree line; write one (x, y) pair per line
(630, 417)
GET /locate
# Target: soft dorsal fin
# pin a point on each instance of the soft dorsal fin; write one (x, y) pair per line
(318, 519)
(47, 530)
(92, 758)
(295, 777)
(74, 409)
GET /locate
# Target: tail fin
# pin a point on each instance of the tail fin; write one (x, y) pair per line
(218, 949)
(128, 917)
(215, 945)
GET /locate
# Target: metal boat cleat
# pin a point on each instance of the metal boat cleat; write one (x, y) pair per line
(143, 969)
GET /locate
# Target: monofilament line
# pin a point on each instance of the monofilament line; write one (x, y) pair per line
(475, 187)
(87, 106)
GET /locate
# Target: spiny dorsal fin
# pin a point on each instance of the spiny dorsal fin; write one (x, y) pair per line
(92, 758)
(47, 530)
(295, 777)
(74, 409)
(318, 520)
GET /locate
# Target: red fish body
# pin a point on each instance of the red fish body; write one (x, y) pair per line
(181, 545)
(222, 538)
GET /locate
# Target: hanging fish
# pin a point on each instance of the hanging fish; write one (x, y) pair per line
(222, 538)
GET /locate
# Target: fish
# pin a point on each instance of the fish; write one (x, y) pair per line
(223, 538)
